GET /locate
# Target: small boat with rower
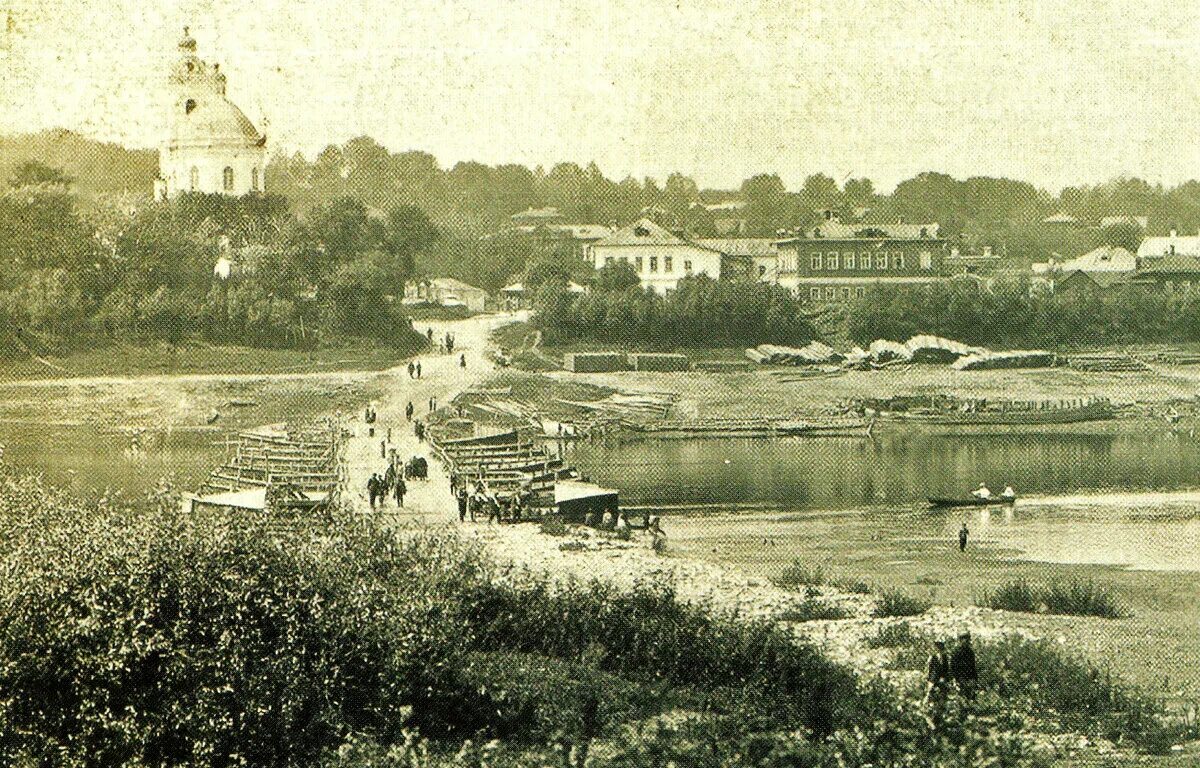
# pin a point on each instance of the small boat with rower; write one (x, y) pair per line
(971, 501)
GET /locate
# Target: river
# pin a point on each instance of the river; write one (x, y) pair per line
(1128, 500)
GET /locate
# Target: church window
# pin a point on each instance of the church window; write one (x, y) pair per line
(194, 179)
(227, 177)
(188, 106)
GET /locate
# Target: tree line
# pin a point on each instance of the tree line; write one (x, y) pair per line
(701, 312)
(74, 274)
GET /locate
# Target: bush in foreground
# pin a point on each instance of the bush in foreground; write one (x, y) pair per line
(1074, 597)
(896, 603)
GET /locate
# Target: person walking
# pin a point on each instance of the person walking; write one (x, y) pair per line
(937, 678)
(408, 411)
(963, 533)
(429, 334)
(389, 477)
(462, 360)
(461, 495)
(411, 369)
(373, 489)
(418, 369)
(963, 669)
(401, 489)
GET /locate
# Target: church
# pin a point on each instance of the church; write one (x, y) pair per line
(210, 145)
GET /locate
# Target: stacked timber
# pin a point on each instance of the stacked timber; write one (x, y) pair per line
(504, 463)
(761, 426)
(813, 353)
(667, 363)
(274, 468)
(989, 361)
(633, 407)
(885, 351)
(595, 362)
(1102, 362)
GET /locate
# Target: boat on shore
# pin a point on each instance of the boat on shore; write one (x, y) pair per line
(936, 502)
(1012, 413)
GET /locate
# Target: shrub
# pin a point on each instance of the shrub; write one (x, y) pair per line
(161, 638)
(1075, 597)
(853, 586)
(648, 634)
(814, 610)
(799, 575)
(896, 603)
(554, 526)
(897, 635)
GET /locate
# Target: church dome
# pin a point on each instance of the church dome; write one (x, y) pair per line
(212, 120)
(187, 42)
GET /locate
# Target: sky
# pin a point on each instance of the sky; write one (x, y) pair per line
(1055, 93)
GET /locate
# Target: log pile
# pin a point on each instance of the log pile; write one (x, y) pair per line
(990, 361)
(1101, 362)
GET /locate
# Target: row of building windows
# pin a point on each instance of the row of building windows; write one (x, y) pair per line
(831, 293)
(834, 261)
(226, 179)
(639, 263)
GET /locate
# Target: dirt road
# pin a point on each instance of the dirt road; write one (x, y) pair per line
(442, 378)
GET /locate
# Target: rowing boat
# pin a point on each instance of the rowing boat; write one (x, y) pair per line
(991, 501)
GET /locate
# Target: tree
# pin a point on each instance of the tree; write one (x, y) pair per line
(819, 192)
(616, 276)
(33, 172)
(1127, 235)
(769, 207)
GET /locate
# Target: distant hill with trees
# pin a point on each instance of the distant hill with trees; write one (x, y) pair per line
(96, 168)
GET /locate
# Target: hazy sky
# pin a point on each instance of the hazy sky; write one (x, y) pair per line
(1046, 91)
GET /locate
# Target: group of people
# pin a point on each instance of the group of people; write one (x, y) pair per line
(391, 483)
(475, 499)
(447, 342)
(414, 369)
(947, 673)
(983, 492)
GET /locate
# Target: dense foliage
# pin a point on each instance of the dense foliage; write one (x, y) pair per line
(701, 313)
(155, 637)
(72, 275)
(1008, 314)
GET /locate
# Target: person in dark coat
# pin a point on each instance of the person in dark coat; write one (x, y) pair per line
(389, 478)
(962, 667)
(373, 489)
(401, 489)
(418, 369)
(462, 505)
(462, 361)
(408, 411)
(411, 369)
(962, 538)
(937, 677)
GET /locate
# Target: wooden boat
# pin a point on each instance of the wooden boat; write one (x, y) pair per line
(1098, 410)
(972, 501)
(503, 438)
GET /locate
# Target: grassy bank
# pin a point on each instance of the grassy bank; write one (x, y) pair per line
(163, 359)
(147, 636)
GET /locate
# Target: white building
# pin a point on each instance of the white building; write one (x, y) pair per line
(660, 258)
(210, 146)
(1173, 244)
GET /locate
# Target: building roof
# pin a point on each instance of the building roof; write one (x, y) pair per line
(575, 231)
(215, 120)
(837, 230)
(740, 246)
(1103, 259)
(450, 284)
(646, 232)
(1171, 245)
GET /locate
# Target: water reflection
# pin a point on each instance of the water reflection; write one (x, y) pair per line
(1099, 499)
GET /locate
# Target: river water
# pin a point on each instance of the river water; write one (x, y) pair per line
(1126, 500)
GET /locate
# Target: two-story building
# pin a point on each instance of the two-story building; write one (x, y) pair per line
(660, 257)
(840, 262)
